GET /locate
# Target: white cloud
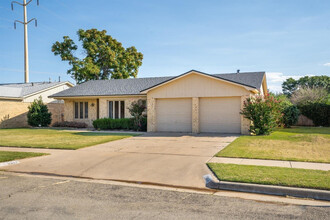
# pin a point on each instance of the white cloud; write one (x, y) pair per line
(326, 64)
(275, 88)
(275, 80)
(276, 77)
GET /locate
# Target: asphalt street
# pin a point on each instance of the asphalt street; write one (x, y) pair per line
(28, 197)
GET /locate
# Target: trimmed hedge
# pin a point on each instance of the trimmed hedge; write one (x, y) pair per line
(70, 124)
(318, 112)
(119, 124)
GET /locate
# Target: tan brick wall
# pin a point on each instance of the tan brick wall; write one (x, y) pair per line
(151, 108)
(245, 123)
(69, 111)
(57, 110)
(195, 115)
(14, 114)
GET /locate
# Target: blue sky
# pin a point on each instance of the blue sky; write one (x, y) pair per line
(285, 38)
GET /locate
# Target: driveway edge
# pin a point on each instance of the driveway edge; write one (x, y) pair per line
(271, 190)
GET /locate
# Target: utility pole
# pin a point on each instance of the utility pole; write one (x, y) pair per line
(25, 23)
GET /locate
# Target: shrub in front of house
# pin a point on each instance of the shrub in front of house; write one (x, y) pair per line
(70, 124)
(138, 122)
(264, 113)
(113, 124)
(38, 115)
(138, 112)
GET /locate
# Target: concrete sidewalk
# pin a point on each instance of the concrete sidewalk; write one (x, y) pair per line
(272, 163)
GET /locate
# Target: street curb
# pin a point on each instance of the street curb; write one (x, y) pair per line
(271, 190)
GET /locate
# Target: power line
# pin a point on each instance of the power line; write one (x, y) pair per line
(25, 23)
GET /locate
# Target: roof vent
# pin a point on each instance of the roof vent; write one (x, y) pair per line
(32, 84)
(237, 72)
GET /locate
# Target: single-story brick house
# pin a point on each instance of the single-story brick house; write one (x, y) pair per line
(16, 97)
(191, 102)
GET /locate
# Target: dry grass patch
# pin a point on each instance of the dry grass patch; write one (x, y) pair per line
(295, 144)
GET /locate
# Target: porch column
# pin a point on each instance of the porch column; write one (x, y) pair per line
(151, 111)
(195, 115)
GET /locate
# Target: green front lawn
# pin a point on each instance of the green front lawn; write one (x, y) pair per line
(317, 179)
(10, 155)
(308, 144)
(57, 139)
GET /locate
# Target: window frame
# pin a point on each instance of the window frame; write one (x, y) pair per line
(80, 110)
(116, 109)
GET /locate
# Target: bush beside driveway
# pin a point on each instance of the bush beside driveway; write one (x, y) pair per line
(55, 138)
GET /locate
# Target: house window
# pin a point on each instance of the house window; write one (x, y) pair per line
(116, 109)
(86, 109)
(122, 109)
(111, 109)
(76, 110)
(81, 110)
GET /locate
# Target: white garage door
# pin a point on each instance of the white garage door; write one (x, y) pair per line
(220, 115)
(173, 115)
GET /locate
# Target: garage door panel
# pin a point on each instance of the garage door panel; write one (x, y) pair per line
(173, 115)
(220, 115)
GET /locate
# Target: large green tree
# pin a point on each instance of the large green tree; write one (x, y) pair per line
(105, 57)
(291, 85)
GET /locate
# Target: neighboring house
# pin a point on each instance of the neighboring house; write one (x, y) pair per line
(16, 97)
(27, 92)
(191, 102)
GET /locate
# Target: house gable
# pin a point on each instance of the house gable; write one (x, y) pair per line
(195, 84)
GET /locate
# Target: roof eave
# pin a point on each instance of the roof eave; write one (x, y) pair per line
(61, 84)
(11, 98)
(93, 96)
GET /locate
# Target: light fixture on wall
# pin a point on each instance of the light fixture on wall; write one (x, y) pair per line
(92, 104)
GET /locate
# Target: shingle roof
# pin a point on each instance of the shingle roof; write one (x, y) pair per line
(133, 86)
(19, 90)
(253, 79)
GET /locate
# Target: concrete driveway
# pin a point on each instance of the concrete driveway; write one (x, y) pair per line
(163, 158)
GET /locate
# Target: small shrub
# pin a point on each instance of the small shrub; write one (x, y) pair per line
(264, 113)
(290, 115)
(38, 114)
(70, 124)
(137, 110)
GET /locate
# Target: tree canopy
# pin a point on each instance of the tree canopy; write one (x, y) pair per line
(291, 85)
(105, 57)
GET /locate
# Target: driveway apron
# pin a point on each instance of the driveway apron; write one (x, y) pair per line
(176, 159)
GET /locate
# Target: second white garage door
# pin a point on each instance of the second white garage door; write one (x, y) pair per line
(173, 115)
(220, 115)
